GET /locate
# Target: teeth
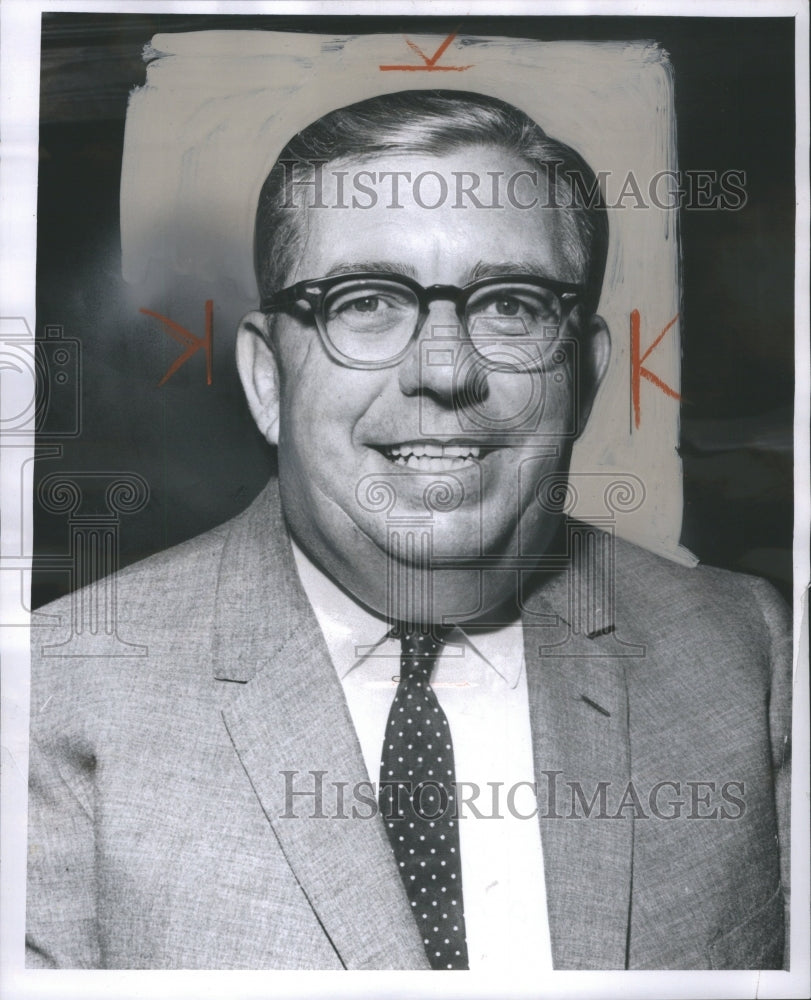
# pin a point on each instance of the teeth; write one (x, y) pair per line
(426, 464)
(430, 456)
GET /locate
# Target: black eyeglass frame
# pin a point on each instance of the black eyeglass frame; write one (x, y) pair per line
(314, 293)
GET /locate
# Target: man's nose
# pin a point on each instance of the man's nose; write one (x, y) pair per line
(435, 364)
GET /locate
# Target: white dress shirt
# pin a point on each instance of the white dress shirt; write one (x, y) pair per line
(480, 682)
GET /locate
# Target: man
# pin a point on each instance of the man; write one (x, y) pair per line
(597, 787)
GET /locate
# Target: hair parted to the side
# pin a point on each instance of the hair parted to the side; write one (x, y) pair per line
(429, 122)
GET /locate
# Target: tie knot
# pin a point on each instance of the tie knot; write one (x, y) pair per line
(420, 647)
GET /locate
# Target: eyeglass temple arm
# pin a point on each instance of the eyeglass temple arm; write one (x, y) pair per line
(286, 297)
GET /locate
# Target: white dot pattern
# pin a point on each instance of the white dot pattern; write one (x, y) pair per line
(418, 807)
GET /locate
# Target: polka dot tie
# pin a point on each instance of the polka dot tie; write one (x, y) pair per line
(418, 802)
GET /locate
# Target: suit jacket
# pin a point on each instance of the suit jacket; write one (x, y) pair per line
(161, 831)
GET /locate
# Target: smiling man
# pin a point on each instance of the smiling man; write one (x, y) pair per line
(432, 329)
(423, 722)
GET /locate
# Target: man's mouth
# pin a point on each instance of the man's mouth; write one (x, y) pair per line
(432, 456)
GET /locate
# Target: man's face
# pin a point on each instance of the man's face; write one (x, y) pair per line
(360, 450)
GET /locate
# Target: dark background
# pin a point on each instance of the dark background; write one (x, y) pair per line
(196, 445)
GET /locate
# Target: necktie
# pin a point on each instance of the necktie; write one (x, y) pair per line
(418, 801)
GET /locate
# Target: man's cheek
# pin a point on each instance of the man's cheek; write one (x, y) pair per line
(327, 467)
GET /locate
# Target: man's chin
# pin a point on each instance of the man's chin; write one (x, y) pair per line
(424, 545)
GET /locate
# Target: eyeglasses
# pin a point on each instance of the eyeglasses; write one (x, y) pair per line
(369, 319)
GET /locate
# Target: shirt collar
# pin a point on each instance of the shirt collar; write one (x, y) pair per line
(353, 633)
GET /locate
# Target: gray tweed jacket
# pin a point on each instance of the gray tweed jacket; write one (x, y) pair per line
(158, 836)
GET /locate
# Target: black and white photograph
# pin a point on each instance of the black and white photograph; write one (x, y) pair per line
(406, 499)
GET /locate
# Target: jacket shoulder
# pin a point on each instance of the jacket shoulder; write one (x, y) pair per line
(730, 625)
(142, 586)
(663, 588)
(124, 624)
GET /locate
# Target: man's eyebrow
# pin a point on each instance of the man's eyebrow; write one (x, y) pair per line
(493, 269)
(381, 266)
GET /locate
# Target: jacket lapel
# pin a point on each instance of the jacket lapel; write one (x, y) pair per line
(292, 731)
(579, 716)
(291, 716)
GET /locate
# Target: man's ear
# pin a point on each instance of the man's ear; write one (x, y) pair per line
(595, 354)
(259, 374)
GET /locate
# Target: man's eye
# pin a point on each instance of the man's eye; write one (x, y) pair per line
(360, 305)
(367, 304)
(525, 305)
(507, 307)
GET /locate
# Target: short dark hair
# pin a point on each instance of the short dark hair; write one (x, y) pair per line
(434, 122)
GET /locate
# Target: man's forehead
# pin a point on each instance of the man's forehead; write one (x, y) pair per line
(468, 172)
(393, 212)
